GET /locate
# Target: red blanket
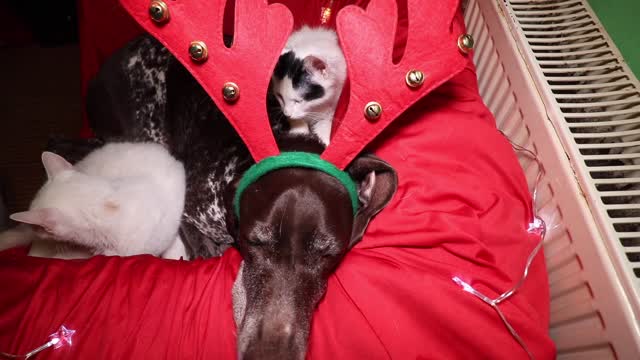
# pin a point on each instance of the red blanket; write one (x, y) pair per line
(462, 209)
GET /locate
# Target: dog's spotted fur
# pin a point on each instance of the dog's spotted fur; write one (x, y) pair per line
(142, 93)
(147, 66)
(214, 157)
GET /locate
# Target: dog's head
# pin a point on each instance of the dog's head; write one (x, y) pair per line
(295, 227)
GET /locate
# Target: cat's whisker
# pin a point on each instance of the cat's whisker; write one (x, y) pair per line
(316, 117)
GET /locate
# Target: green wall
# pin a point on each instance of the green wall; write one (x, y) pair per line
(621, 18)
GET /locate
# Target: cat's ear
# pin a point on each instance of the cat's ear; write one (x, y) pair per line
(54, 164)
(50, 220)
(315, 65)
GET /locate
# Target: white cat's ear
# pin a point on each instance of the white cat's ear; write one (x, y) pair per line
(315, 65)
(50, 220)
(54, 164)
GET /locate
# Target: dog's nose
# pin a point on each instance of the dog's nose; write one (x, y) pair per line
(274, 341)
(273, 348)
(279, 331)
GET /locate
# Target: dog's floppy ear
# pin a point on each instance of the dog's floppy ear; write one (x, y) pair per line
(231, 219)
(377, 183)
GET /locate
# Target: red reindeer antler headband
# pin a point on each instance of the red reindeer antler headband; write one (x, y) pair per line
(237, 78)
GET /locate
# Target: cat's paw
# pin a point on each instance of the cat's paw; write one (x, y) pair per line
(298, 127)
(176, 251)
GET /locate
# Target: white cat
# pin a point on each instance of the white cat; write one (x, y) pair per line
(308, 80)
(122, 199)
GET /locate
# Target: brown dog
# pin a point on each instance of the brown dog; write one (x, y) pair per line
(295, 226)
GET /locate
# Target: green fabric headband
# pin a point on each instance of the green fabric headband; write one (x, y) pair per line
(295, 159)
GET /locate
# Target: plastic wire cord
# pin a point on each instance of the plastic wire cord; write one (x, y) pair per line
(62, 337)
(537, 226)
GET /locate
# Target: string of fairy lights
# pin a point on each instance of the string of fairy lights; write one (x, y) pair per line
(537, 227)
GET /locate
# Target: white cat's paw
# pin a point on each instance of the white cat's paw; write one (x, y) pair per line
(299, 130)
(298, 127)
(323, 130)
(20, 235)
(110, 253)
(176, 250)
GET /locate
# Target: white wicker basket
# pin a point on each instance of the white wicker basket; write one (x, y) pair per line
(557, 85)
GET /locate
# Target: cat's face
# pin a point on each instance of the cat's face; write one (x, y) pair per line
(304, 88)
(69, 204)
(71, 188)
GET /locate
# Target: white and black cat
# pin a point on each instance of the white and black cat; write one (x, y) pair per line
(122, 199)
(308, 80)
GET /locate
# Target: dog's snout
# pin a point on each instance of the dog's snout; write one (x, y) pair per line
(278, 331)
(274, 342)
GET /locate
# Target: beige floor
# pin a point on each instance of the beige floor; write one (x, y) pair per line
(39, 96)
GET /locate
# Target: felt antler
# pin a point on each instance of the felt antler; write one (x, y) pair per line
(261, 31)
(367, 39)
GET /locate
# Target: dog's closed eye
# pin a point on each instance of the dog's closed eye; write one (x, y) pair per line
(255, 242)
(326, 245)
(261, 234)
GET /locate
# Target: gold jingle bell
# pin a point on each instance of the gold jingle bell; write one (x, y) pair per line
(414, 78)
(373, 111)
(198, 51)
(159, 11)
(466, 43)
(230, 92)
